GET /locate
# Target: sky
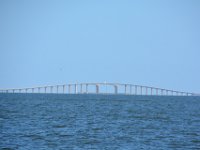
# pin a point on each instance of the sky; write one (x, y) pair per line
(153, 43)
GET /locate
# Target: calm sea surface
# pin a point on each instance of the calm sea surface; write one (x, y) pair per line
(39, 121)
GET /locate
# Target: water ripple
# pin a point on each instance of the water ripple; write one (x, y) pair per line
(98, 122)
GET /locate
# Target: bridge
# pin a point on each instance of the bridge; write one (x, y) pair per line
(100, 88)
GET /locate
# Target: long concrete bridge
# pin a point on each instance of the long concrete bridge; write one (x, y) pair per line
(100, 88)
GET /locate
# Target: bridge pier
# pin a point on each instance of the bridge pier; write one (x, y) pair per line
(69, 88)
(130, 89)
(125, 86)
(75, 88)
(57, 88)
(135, 89)
(45, 89)
(86, 86)
(146, 90)
(116, 89)
(63, 89)
(81, 88)
(97, 89)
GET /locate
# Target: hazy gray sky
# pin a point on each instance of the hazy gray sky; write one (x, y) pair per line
(155, 43)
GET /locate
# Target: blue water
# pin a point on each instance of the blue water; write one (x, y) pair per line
(39, 121)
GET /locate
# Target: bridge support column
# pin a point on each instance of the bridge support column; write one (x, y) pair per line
(146, 90)
(75, 88)
(57, 87)
(81, 88)
(125, 86)
(141, 90)
(116, 89)
(86, 88)
(135, 89)
(51, 89)
(69, 88)
(130, 89)
(63, 89)
(97, 89)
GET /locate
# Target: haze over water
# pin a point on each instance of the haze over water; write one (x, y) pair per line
(56, 121)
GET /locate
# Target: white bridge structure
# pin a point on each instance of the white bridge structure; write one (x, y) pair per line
(100, 88)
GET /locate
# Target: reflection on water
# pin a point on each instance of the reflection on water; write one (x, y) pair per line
(39, 121)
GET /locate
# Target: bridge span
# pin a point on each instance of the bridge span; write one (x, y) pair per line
(100, 88)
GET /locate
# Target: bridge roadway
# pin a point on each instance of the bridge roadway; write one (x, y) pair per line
(95, 88)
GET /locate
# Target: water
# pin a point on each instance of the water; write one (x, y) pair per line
(39, 121)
